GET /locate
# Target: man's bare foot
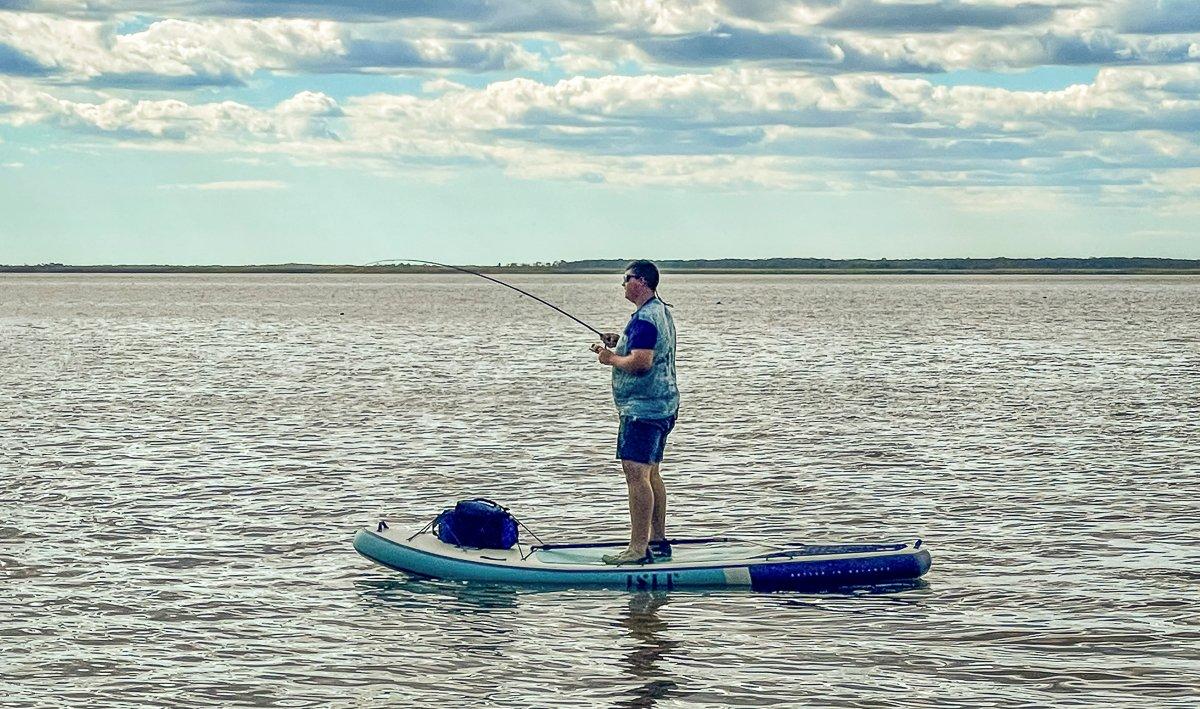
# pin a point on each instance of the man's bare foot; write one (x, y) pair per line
(627, 557)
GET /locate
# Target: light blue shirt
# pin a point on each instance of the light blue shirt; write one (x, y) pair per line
(652, 394)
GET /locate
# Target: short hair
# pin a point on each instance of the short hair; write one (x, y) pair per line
(645, 270)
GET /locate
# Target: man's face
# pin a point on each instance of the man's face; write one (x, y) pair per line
(633, 286)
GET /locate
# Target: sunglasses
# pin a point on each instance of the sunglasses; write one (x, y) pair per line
(627, 278)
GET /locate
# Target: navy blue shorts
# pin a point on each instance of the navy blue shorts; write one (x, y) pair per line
(643, 440)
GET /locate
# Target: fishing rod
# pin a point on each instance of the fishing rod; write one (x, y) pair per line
(493, 280)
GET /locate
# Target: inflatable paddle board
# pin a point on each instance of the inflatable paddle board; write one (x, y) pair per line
(694, 563)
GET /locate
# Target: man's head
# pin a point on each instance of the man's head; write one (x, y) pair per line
(641, 280)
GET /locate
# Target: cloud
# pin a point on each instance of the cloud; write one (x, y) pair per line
(768, 10)
(813, 95)
(936, 16)
(352, 10)
(723, 44)
(1085, 48)
(166, 54)
(727, 45)
(164, 82)
(168, 121)
(809, 130)
(182, 55)
(754, 127)
(1020, 51)
(475, 56)
(583, 64)
(1156, 16)
(228, 43)
(1003, 199)
(308, 115)
(485, 15)
(438, 86)
(230, 186)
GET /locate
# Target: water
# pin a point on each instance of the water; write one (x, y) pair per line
(184, 461)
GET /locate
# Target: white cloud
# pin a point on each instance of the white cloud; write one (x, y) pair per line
(184, 54)
(307, 115)
(230, 186)
(1005, 200)
(610, 126)
(168, 52)
(583, 64)
(83, 42)
(662, 17)
(797, 95)
(438, 86)
(730, 128)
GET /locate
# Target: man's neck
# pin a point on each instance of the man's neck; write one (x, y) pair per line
(644, 299)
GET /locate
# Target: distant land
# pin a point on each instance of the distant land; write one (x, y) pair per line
(1107, 264)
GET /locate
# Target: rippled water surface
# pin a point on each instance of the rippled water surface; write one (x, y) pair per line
(185, 459)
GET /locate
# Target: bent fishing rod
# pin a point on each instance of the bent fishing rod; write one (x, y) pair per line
(493, 280)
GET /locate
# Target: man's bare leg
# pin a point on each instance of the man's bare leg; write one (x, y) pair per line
(658, 522)
(641, 504)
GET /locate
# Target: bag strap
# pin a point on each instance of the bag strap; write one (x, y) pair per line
(426, 527)
(436, 524)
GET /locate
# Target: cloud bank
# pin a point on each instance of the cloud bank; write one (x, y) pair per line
(814, 95)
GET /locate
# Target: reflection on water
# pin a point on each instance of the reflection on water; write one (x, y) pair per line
(481, 621)
(405, 592)
(892, 592)
(184, 461)
(652, 645)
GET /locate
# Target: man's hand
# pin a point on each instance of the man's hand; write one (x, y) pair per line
(604, 355)
(610, 339)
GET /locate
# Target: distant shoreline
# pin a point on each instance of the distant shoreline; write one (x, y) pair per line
(774, 266)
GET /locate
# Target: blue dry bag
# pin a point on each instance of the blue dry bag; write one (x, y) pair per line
(477, 523)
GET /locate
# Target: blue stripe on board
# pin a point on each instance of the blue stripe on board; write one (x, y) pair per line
(838, 573)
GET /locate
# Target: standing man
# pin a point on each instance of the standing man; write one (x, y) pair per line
(647, 398)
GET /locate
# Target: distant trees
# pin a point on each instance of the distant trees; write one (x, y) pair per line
(1102, 264)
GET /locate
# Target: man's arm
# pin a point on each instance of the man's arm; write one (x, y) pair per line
(642, 338)
(636, 362)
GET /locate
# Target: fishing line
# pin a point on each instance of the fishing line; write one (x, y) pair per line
(493, 280)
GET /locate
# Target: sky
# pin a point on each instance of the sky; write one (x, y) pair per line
(498, 131)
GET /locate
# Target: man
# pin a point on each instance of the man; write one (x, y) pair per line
(647, 398)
